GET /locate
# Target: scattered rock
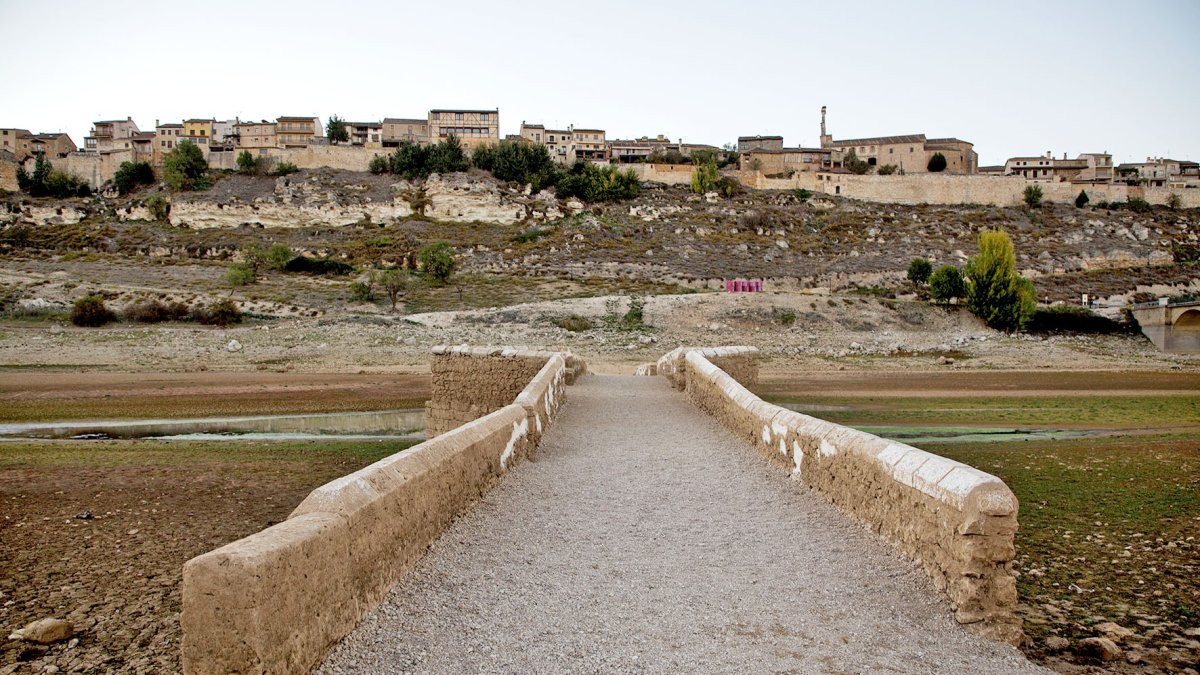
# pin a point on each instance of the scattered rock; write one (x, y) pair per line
(84, 515)
(57, 328)
(234, 346)
(1100, 648)
(44, 631)
(946, 361)
(1112, 631)
(1055, 644)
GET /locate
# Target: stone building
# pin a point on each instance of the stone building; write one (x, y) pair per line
(15, 141)
(909, 153)
(110, 135)
(568, 145)
(785, 162)
(637, 150)
(256, 136)
(397, 130)
(166, 137)
(1090, 167)
(750, 143)
(298, 132)
(472, 127)
(1161, 172)
(142, 144)
(366, 134)
(198, 131)
(54, 144)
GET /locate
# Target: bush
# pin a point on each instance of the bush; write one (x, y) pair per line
(937, 163)
(729, 187)
(240, 274)
(919, 270)
(1174, 202)
(448, 156)
(593, 183)
(1082, 200)
(634, 317)
(995, 292)
(184, 167)
(437, 261)
(1139, 205)
(1033, 196)
(379, 164)
(155, 311)
(705, 178)
(574, 323)
(854, 165)
(285, 169)
(519, 162)
(395, 283)
(278, 256)
(223, 313)
(415, 162)
(1073, 319)
(159, 207)
(785, 317)
(946, 283)
(90, 311)
(362, 291)
(802, 195)
(887, 169)
(132, 174)
(247, 163)
(306, 265)
(529, 235)
(47, 182)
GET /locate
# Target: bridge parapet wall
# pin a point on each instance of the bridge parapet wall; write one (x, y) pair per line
(276, 601)
(955, 520)
(740, 363)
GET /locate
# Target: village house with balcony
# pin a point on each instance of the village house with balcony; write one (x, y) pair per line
(110, 135)
(1089, 167)
(53, 144)
(298, 132)
(472, 127)
(257, 137)
(365, 134)
(397, 130)
(16, 142)
(1160, 172)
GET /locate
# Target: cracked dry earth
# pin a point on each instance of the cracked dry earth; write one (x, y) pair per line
(645, 538)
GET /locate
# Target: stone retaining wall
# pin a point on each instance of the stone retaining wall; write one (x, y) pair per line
(740, 363)
(276, 601)
(955, 520)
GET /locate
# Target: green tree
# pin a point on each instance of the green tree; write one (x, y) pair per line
(379, 164)
(159, 207)
(947, 283)
(519, 162)
(278, 256)
(410, 161)
(887, 169)
(937, 163)
(995, 292)
(240, 274)
(705, 177)
(336, 130)
(285, 169)
(593, 183)
(1082, 200)
(854, 165)
(437, 261)
(41, 171)
(184, 167)
(1033, 196)
(395, 283)
(919, 270)
(132, 174)
(447, 156)
(247, 163)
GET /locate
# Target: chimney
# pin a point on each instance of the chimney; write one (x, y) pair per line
(1049, 155)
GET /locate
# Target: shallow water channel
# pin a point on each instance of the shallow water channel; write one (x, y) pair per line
(923, 435)
(380, 424)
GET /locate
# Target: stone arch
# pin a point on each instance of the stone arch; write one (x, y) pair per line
(1189, 320)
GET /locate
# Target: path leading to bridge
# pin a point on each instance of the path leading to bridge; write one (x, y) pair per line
(645, 538)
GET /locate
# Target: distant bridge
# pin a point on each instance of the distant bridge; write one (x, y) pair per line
(1172, 327)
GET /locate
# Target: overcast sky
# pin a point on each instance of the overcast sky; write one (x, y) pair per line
(1013, 77)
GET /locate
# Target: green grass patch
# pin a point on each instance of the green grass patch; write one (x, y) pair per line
(143, 453)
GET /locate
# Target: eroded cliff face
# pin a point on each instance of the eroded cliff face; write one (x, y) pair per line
(333, 199)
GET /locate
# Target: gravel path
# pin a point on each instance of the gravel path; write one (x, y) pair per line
(645, 538)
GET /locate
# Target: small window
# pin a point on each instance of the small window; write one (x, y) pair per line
(484, 117)
(458, 116)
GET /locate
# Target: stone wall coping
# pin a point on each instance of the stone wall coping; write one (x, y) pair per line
(542, 384)
(497, 351)
(954, 483)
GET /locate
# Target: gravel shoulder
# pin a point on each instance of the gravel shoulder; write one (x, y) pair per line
(645, 538)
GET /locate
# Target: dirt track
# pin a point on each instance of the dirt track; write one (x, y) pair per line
(645, 538)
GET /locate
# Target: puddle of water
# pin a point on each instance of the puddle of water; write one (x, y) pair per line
(381, 424)
(925, 435)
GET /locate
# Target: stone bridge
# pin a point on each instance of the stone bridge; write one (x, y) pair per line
(1173, 328)
(666, 523)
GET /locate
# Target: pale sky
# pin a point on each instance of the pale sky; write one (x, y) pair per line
(1014, 77)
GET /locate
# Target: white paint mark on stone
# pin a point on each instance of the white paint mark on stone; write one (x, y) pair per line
(520, 430)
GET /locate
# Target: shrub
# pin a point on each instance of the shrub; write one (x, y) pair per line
(159, 207)
(223, 313)
(574, 323)
(395, 283)
(529, 235)
(1139, 205)
(437, 261)
(247, 163)
(946, 283)
(47, 182)
(785, 317)
(854, 165)
(155, 311)
(802, 195)
(306, 265)
(240, 274)
(132, 174)
(362, 291)
(995, 292)
(919, 270)
(668, 156)
(1033, 196)
(448, 156)
(90, 311)
(1174, 202)
(519, 162)
(277, 256)
(887, 169)
(379, 164)
(593, 183)
(729, 187)
(705, 178)
(285, 169)
(184, 167)
(1082, 200)
(937, 163)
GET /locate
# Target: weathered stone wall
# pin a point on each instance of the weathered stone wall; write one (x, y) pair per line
(740, 363)
(957, 521)
(276, 601)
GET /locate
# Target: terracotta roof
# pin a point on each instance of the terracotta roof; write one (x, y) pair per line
(144, 136)
(170, 126)
(948, 140)
(760, 138)
(363, 124)
(589, 131)
(298, 119)
(880, 140)
(532, 126)
(784, 151)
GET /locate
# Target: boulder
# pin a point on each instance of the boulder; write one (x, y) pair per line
(1100, 648)
(44, 631)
